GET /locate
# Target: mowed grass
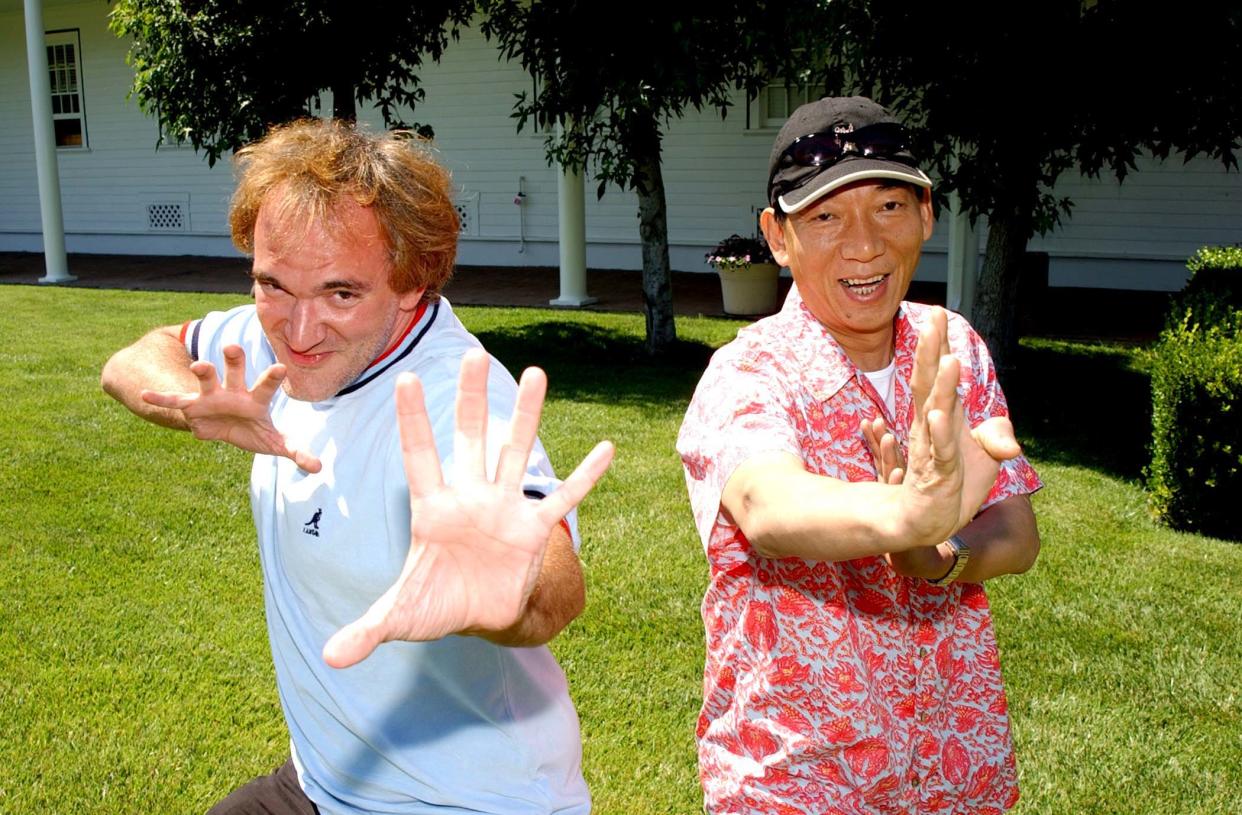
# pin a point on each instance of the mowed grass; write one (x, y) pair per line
(134, 669)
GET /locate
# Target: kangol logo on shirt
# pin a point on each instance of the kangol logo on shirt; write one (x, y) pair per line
(312, 526)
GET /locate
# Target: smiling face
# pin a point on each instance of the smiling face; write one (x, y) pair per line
(852, 255)
(323, 297)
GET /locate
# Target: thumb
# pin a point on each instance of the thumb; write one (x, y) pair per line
(997, 439)
(304, 460)
(355, 642)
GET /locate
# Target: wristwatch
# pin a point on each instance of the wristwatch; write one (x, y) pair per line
(961, 556)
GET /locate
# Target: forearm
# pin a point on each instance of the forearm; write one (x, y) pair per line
(1003, 539)
(157, 362)
(558, 597)
(785, 511)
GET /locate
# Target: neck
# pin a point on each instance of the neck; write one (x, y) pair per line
(868, 353)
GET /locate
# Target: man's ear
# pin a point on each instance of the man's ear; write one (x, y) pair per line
(774, 232)
(410, 300)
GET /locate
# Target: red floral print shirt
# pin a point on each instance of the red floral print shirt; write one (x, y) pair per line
(835, 688)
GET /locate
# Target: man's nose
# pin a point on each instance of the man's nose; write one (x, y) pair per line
(304, 329)
(862, 240)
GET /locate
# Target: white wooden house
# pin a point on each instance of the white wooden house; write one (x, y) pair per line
(121, 195)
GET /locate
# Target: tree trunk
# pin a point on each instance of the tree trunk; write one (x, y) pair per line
(653, 229)
(995, 312)
(343, 105)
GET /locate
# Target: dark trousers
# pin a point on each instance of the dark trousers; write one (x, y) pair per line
(275, 794)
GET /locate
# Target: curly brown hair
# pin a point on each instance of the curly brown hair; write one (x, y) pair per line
(316, 163)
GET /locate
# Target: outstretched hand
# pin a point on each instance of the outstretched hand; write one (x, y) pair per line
(227, 411)
(476, 545)
(951, 468)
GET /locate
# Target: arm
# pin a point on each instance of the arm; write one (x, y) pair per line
(157, 362)
(156, 379)
(559, 596)
(785, 511)
(1003, 539)
(484, 560)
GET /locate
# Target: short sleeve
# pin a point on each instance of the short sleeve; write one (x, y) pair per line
(206, 338)
(983, 399)
(739, 410)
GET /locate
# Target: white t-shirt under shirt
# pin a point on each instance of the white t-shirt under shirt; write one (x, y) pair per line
(883, 382)
(452, 726)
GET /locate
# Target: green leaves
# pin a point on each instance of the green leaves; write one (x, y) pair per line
(644, 67)
(1195, 475)
(218, 74)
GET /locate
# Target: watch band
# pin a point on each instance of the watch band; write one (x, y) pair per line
(961, 556)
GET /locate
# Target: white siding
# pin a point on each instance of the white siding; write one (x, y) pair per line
(1137, 233)
(105, 187)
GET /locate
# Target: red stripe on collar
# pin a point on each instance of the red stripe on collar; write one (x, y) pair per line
(418, 315)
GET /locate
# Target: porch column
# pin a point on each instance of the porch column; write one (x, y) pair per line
(963, 270)
(571, 218)
(55, 261)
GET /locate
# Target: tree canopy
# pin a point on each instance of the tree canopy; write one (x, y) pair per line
(218, 73)
(612, 86)
(1008, 97)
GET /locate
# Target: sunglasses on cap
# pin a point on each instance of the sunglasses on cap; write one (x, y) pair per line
(887, 140)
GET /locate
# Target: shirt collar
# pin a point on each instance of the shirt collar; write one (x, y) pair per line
(826, 367)
(424, 316)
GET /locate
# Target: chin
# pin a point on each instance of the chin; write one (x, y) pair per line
(308, 391)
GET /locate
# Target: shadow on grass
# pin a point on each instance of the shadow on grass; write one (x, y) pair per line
(1073, 403)
(592, 363)
(1082, 405)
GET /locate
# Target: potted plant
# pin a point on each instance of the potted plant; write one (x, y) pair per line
(748, 275)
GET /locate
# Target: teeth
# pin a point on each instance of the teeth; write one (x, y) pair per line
(863, 285)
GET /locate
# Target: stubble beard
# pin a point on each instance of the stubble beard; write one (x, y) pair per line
(357, 360)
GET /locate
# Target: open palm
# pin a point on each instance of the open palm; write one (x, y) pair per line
(951, 467)
(477, 544)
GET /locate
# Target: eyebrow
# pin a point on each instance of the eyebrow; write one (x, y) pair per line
(326, 286)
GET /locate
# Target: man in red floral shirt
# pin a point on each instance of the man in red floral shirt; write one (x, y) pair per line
(854, 478)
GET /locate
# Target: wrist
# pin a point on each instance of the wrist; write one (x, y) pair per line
(959, 552)
(911, 526)
(922, 562)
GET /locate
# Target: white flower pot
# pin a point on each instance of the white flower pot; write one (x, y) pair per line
(751, 289)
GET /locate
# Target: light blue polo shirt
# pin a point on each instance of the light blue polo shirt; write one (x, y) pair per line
(459, 725)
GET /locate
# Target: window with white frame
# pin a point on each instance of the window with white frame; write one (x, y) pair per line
(64, 66)
(777, 100)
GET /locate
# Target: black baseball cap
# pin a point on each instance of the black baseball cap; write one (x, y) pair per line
(833, 142)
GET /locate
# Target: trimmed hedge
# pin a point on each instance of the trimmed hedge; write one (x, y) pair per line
(1214, 291)
(1195, 476)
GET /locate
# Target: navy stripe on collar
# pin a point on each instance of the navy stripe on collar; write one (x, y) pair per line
(371, 376)
(194, 340)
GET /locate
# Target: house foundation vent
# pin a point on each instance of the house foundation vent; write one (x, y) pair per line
(167, 213)
(468, 211)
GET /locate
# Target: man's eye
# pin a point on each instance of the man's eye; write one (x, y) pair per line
(344, 296)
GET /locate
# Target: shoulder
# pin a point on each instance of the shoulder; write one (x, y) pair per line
(437, 357)
(240, 325)
(760, 352)
(964, 341)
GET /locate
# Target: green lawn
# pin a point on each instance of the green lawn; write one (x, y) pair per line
(134, 670)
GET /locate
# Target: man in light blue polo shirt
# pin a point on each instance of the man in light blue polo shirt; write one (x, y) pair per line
(416, 556)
